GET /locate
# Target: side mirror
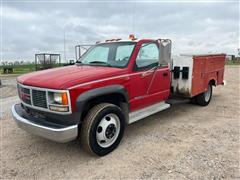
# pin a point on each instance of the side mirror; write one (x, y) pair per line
(185, 72)
(77, 52)
(165, 51)
(81, 49)
(176, 72)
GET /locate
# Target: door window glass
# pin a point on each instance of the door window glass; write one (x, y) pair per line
(147, 56)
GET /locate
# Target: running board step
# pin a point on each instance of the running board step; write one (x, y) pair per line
(148, 111)
(177, 100)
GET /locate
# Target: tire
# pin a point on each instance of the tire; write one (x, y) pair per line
(204, 98)
(102, 129)
(193, 100)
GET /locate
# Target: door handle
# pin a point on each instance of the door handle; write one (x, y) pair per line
(165, 74)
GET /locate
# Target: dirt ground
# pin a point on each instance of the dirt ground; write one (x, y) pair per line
(184, 142)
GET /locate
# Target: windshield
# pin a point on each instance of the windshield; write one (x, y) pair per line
(109, 54)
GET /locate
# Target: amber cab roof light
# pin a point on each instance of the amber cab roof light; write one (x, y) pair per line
(132, 37)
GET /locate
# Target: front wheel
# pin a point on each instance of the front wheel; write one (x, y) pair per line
(204, 98)
(102, 129)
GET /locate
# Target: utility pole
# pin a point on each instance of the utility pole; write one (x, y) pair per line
(133, 19)
(64, 45)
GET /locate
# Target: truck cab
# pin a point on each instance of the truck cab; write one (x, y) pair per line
(114, 83)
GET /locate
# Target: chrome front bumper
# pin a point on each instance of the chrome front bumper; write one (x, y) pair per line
(54, 133)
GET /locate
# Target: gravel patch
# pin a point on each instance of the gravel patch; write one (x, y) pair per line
(184, 142)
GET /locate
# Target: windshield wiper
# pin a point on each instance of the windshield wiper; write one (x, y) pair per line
(99, 62)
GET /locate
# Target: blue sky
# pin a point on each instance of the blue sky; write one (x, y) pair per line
(30, 27)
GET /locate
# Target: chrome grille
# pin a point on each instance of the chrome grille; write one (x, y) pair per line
(39, 98)
(24, 94)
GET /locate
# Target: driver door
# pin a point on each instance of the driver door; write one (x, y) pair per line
(149, 82)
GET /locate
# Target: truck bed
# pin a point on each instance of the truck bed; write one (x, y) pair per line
(195, 72)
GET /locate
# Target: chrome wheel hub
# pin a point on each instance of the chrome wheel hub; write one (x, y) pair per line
(207, 94)
(108, 130)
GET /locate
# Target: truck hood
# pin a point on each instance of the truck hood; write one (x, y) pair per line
(68, 76)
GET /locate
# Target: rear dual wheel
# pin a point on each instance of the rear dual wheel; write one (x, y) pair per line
(204, 98)
(102, 129)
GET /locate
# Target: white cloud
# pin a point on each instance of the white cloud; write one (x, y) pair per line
(14, 14)
(29, 28)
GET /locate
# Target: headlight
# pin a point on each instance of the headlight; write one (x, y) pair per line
(58, 101)
(58, 98)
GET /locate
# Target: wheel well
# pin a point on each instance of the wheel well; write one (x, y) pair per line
(113, 98)
(213, 82)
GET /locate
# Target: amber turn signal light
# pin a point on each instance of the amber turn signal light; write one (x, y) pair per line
(64, 99)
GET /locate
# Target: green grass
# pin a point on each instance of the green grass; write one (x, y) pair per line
(27, 68)
(232, 62)
(23, 69)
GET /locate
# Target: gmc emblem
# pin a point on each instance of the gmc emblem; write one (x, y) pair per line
(25, 96)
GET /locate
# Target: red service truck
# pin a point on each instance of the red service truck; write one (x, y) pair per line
(114, 83)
